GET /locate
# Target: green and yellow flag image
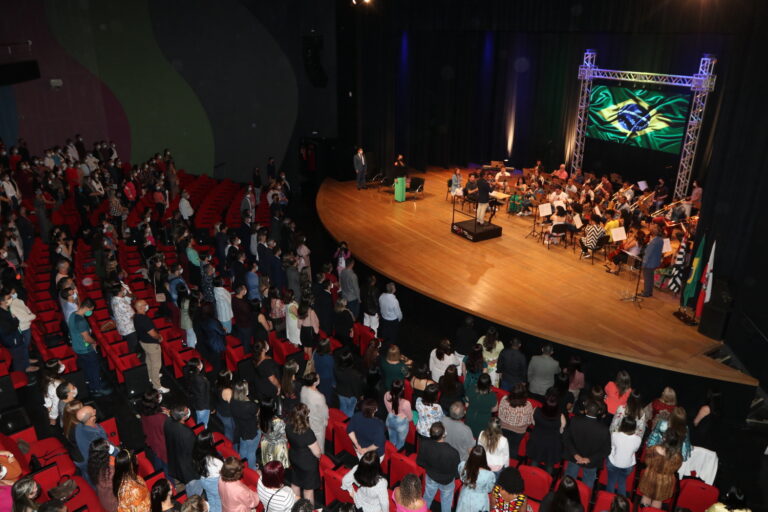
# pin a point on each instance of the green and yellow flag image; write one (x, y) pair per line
(638, 117)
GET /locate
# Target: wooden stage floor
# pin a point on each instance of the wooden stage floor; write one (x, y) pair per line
(514, 281)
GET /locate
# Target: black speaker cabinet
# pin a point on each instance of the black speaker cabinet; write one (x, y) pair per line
(17, 72)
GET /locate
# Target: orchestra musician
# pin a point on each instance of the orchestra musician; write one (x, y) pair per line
(558, 195)
(695, 197)
(630, 246)
(561, 173)
(661, 194)
(470, 189)
(456, 183)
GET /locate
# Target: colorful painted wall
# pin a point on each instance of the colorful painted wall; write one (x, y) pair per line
(219, 83)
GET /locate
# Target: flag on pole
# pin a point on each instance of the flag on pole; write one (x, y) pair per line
(706, 282)
(693, 279)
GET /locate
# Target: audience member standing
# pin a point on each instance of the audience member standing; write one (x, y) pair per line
(83, 345)
(350, 289)
(587, 443)
(235, 495)
(304, 453)
(512, 366)
(477, 482)
(541, 372)
(318, 408)
(150, 341)
(366, 485)
(391, 316)
(130, 489)
(245, 412)
(457, 433)
(180, 441)
(441, 462)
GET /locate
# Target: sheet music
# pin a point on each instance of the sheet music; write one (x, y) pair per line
(559, 203)
(597, 212)
(667, 247)
(643, 185)
(577, 221)
(545, 209)
(618, 234)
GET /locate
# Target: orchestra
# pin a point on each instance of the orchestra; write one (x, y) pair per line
(604, 202)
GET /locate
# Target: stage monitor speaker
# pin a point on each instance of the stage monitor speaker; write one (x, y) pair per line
(137, 381)
(312, 51)
(78, 379)
(17, 72)
(8, 396)
(14, 420)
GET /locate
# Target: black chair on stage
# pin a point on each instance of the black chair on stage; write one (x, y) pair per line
(448, 190)
(559, 232)
(602, 245)
(416, 187)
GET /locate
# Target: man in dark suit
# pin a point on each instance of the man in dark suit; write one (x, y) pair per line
(179, 441)
(587, 443)
(263, 252)
(512, 366)
(324, 303)
(361, 168)
(483, 197)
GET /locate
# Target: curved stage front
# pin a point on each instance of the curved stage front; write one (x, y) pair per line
(514, 281)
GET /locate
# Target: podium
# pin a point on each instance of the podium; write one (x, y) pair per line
(400, 189)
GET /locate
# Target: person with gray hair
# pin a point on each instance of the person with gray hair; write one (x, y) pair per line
(541, 372)
(391, 316)
(457, 433)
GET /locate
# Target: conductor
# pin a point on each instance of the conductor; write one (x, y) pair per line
(483, 197)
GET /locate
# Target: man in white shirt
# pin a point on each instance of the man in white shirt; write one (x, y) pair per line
(185, 207)
(558, 195)
(391, 316)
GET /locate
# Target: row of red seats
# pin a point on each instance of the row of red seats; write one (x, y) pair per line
(216, 202)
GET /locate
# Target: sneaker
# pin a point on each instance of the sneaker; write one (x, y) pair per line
(163, 390)
(587, 255)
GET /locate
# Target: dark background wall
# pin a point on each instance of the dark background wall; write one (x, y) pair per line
(222, 84)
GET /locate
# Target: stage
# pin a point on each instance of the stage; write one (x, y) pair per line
(514, 281)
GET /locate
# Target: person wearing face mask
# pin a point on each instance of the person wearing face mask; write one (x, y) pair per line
(20, 310)
(123, 313)
(185, 207)
(248, 204)
(150, 340)
(11, 338)
(66, 393)
(51, 381)
(83, 343)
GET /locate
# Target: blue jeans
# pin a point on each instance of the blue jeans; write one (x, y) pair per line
(446, 494)
(191, 338)
(211, 486)
(229, 427)
(588, 474)
(227, 326)
(354, 307)
(247, 450)
(89, 362)
(202, 416)
(347, 405)
(617, 478)
(194, 487)
(398, 430)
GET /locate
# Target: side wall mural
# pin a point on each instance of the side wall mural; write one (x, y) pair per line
(215, 82)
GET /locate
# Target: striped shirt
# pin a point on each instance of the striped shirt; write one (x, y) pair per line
(592, 234)
(278, 500)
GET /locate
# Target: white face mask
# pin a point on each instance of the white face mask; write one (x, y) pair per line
(62, 368)
(74, 296)
(14, 295)
(186, 416)
(74, 393)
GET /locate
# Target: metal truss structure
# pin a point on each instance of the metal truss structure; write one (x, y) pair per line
(702, 83)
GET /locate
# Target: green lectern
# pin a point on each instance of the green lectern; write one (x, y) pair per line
(399, 190)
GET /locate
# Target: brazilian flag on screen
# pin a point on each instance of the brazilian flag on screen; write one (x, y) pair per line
(638, 117)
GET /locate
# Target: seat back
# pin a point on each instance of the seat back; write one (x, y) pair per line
(537, 481)
(333, 490)
(696, 495)
(603, 501)
(401, 465)
(110, 427)
(341, 440)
